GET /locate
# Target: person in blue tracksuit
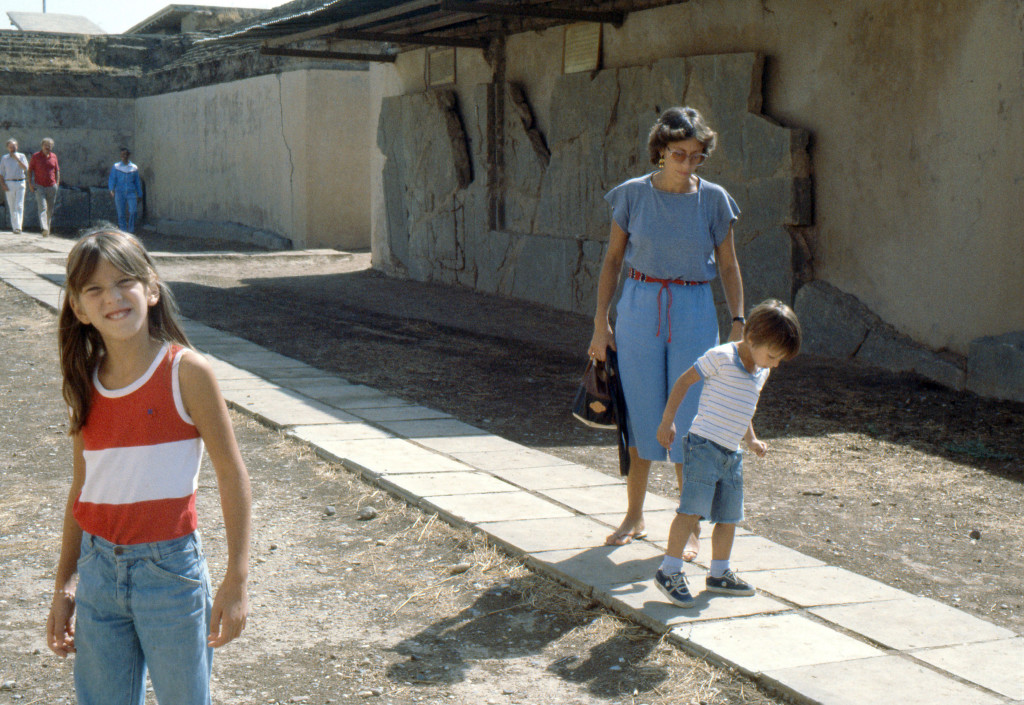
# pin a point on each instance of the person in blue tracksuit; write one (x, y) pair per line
(126, 189)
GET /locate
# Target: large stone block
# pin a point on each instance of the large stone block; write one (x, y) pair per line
(837, 324)
(427, 170)
(233, 232)
(995, 366)
(886, 347)
(834, 323)
(72, 211)
(101, 205)
(539, 231)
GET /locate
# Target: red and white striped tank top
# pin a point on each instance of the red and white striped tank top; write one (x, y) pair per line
(142, 456)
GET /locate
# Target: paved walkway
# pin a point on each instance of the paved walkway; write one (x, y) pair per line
(814, 632)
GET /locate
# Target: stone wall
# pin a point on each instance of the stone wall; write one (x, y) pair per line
(87, 132)
(281, 158)
(556, 222)
(230, 143)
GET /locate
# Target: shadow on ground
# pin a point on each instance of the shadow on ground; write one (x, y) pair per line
(501, 624)
(512, 367)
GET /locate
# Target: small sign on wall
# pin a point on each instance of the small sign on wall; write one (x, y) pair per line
(440, 67)
(581, 50)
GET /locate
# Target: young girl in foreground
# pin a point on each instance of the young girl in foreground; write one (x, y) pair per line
(142, 404)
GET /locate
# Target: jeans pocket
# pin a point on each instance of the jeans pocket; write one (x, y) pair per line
(186, 566)
(86, 556)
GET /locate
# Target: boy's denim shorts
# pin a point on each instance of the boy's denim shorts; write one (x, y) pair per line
(712, 481)
(142, 607)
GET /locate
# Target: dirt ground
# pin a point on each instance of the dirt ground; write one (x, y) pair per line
(883, 474)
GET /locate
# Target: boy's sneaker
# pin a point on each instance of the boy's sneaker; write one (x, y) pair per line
(728, 584)
(675, 589)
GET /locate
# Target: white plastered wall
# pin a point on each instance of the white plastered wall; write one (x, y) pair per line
(285, 153)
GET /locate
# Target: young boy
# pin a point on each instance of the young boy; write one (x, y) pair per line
(733, 375)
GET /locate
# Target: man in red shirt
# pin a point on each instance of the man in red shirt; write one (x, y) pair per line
(43, 181)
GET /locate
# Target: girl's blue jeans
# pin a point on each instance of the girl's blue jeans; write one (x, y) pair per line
(138, 607)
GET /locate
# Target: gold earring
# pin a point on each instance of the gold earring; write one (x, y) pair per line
(661, 163)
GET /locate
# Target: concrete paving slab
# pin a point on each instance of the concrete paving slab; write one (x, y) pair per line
(197, 330)
(996, 665)
(913, 623)
(750, 553)
(535, 535)
(329, 433)
(389, 456)
(504, 506)
(493, 461)
(225, 370)
(343, 395)
(238, 385)
(413, 486)
(280, 408)
(253, 358)
(45, 293)
(603, 498)
(14, 274)
(369, 401)
(432, 428)
(234, 350)
(883, 679)
(821, 585)
(487, 443)
(556, 477)
(583, 568)
(770, 643)
(312, 385)
(410, 412)
(643, 602)
(658, 524)
(301, 370)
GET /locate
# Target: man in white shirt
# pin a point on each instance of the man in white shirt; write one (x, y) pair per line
(13, 166)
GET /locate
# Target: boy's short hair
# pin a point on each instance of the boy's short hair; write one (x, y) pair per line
(773, 323)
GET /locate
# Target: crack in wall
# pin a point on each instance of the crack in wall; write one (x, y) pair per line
(291, 160)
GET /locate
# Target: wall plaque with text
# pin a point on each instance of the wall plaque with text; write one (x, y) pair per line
(582, 48)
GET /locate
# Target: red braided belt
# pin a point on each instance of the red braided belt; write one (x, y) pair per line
(641, 277)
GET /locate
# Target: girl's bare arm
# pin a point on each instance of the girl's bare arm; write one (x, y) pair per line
(205, 404)
(60, 628)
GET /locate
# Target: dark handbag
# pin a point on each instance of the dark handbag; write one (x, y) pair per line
(593, 402)
(601, 403)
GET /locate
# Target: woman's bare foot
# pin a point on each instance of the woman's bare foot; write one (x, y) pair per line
(692, 545)
(626, 533)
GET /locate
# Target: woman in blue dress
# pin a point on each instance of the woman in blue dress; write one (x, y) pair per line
(671, 234)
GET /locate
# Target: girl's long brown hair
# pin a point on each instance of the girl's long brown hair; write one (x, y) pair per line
(81, 345)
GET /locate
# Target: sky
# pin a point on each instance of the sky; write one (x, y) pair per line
(115, 16)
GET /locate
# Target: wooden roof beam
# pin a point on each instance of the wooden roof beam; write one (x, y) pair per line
(614, 17)
(402, 38)
(321, 30)
(333, 55)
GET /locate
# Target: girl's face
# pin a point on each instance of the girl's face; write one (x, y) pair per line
(114, 303)
(683, 157)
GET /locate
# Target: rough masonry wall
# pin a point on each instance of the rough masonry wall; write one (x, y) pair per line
(556, 222)
(87, 132)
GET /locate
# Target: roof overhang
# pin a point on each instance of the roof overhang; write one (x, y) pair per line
(384, 28)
